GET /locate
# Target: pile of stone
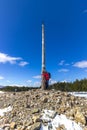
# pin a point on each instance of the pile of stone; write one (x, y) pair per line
(27, 108)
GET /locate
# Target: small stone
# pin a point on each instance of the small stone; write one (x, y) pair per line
(12, 125)
(35, 110)
(45, 100)
(30, 122)
(85, 128)
(79, 117)
(36, 118)
(7, 128)
(61, 127)
(35, 126)
(72, 98)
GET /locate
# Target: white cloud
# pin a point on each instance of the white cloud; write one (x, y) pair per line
(1, 77)
(63, 70)
(6, 58)
(8, 81)
(64, 81)
(37, 84)
(61, 62)
(81, 64)
(29, 81)
(52, 81)
(23, 63)
(37, 77)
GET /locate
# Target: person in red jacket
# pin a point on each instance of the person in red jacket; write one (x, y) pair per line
(46, 77)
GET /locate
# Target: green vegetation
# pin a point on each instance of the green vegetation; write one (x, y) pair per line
(78, 85)
(17, 89)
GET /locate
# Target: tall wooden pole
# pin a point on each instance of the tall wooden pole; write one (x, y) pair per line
(43, 50)
(43, 84)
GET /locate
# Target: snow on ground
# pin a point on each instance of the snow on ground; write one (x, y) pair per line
(57, 121)
(79, 94)
(1, 92)
(3, 111)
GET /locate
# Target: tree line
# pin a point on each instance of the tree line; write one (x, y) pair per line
(77, 85)
(16, 88)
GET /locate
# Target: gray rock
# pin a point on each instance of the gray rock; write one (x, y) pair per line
(74, 108)
(35, 126)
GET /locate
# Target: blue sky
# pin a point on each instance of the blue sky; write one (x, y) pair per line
(20, 40)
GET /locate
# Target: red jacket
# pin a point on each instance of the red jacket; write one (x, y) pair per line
(46, 75)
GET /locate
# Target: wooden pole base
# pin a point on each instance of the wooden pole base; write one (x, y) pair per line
(44, 84)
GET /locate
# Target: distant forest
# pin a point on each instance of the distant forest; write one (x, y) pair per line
(78, 85)
(16, 88)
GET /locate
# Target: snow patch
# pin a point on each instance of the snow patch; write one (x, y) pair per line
(57, 121)
(3, 111)
(1, 92)
(79, 94)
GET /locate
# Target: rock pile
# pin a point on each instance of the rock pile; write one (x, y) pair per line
(28, 107)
